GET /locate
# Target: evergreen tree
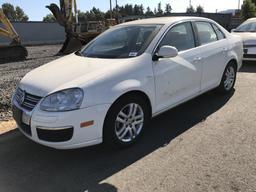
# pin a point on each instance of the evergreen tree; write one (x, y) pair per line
(168, 9)
(199, 9)
(248, 9)
(159, 9)
(190, 9)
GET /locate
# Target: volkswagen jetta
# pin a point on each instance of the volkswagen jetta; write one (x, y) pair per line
(109, 90)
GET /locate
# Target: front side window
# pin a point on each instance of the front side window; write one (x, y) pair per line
(252, 27)
(122, 42)
(206, 33)
(180, 36)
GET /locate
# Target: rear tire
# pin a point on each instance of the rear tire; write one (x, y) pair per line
(125, 121)
(228, 79)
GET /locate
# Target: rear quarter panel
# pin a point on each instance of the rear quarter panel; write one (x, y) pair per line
(236, 49)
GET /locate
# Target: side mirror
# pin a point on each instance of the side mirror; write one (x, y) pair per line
(233, 30)
(166, 51)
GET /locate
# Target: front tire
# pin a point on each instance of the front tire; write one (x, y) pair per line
(125, 121)
(228, 79)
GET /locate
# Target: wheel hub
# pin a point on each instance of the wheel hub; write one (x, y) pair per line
(129, 122)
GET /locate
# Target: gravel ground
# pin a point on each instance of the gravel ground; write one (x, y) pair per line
(11, 74)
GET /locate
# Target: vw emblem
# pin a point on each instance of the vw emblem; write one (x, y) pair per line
(22, 97)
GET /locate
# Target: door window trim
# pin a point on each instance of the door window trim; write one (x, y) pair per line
(212, 24)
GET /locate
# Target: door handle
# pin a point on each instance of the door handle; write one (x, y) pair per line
(225, 49)
(197, 59)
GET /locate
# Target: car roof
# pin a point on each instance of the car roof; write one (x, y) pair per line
(164, 20)
(251, 20)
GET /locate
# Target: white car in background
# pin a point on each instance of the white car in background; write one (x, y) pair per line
(247, 31)
(109, 91)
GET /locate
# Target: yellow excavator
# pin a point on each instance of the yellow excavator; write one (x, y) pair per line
(77, 34)
(13, 51)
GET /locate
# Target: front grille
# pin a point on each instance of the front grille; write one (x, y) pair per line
(26, 100)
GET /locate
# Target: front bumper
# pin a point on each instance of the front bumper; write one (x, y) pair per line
(249, 53)
(62, 130)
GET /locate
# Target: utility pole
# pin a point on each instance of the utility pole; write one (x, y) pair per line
(117, 10)
(110, 9)
(238, 4)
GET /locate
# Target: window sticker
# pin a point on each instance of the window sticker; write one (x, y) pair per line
(133, 54)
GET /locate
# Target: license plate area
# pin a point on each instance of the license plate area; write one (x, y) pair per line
(22, 119)
(25, 118)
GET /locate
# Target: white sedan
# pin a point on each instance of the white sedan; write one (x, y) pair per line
(247, 31)
(108, 91)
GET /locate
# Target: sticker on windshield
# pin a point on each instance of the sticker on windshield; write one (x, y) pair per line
(133, 54)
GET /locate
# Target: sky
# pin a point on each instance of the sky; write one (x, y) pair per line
(36, 10)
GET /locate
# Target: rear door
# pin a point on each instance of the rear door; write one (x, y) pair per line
(214, 49)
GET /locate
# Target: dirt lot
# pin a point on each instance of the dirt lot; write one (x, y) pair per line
(207, 144)
(11, 73)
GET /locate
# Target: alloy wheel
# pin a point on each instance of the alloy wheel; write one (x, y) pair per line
(129, 122)
(230, 78)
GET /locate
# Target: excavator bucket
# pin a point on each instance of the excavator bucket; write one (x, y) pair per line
(70, 45)
(72, 42)
(14, 51)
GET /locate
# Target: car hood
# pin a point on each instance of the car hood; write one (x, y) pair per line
(248, 38)
(66, 72)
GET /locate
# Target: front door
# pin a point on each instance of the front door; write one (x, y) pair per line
(178, 78)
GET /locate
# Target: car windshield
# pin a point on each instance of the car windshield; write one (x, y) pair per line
(246, 27)
(121, 42)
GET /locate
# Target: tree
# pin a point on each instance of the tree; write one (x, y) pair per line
(159, 9)
(149, 12)
(136, 10)
(248, 9)
(199, 9)
(20, 15)
(128, 9)
(49, 18)
(9, 11)
(12, 14)
(155, 12)
(190, 9)
(141, 8)
(96, 14)
(168, 9)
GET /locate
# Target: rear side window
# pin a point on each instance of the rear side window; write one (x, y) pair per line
(180, 36)
(219, 33)
(206, 33)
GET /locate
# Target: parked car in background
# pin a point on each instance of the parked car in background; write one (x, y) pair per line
(247, 31)
(109, 91)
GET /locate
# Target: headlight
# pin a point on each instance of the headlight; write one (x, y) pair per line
(65, 100)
